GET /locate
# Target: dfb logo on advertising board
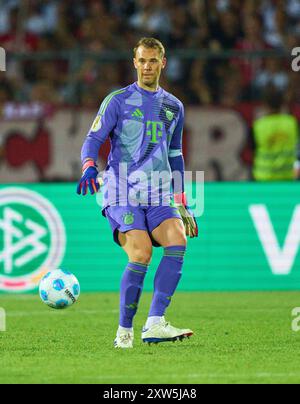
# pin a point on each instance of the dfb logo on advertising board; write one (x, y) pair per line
(32, 238)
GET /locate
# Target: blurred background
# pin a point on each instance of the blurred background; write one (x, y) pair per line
(64, 57)
(229, 61)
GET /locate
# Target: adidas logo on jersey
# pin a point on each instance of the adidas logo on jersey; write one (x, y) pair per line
(138, 114)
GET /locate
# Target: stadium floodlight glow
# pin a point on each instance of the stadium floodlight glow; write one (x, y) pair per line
(2, 60)
(2, 320)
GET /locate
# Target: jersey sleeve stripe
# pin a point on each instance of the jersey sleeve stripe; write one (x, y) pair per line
(107, 100)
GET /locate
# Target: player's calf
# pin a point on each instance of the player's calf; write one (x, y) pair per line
(131, 289)
(166, 279)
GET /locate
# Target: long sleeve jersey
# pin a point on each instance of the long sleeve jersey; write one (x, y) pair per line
(145, 130)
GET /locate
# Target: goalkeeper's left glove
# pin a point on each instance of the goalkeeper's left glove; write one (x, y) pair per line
(189, 220)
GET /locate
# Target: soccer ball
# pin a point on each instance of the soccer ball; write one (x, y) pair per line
(59, 289)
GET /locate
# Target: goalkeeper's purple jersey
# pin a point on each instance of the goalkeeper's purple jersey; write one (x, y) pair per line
(145, 130)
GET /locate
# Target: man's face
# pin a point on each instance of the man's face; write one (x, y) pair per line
(148, 63)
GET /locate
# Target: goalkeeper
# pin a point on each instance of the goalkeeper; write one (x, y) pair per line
(145, 125)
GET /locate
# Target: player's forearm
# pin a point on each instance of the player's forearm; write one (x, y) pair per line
(90, 149)
(177, 168)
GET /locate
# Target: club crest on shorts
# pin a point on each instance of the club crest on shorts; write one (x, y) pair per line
(128, 218)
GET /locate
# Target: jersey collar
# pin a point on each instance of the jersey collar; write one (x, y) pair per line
(146, 92)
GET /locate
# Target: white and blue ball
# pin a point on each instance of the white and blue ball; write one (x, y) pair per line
(59, 289)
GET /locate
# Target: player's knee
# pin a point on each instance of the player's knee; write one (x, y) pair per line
(182, 241)
(141, 253)
(178, 239)
(142, 256)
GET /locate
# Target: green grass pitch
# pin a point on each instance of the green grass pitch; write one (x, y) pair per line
(239, 338)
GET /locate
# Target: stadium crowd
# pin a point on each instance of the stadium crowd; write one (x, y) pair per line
(66, 28)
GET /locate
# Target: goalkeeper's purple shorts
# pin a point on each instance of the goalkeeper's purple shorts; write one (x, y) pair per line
(123, 219)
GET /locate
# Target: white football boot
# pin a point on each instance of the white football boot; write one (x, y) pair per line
(124, 339)
(164, 332)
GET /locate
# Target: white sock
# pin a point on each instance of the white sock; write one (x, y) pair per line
(123, 329)
(152, 320)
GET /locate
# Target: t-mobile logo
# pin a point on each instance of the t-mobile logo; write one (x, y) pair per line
(2, 60)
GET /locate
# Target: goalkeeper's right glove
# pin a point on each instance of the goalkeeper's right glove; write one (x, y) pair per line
(188, 218)
(89, 179)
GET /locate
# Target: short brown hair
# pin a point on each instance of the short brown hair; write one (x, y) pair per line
(150, 43)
